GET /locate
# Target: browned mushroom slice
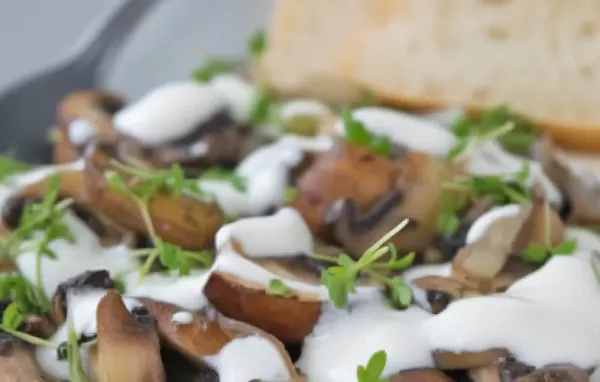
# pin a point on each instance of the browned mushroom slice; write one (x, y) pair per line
(87, 280)
(128, 349)
(206, 333)
(477, 264)
(557, 373)
(421, 375)
(448, 360)
(38, 326)
(489, 373)
(17, 361)
(542, 226)
(290, 319)
(443, 290)
(185, 221)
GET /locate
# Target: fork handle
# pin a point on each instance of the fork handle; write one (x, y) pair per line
(102, 40)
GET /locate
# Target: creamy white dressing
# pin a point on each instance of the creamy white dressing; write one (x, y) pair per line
(281, 234)
(81, 131)
(82, 305)
(304, 107)
(182, 318)
(184, 291)
(249, 358)
(446, 117)
(342, 340)
(550, 316)
(584, 166)
(239, 93)
(404, 129)
(84, 254)
(198, 148)
(267, 172)
(169, 112)
(490, 158)
(481, 225)
(413, 273)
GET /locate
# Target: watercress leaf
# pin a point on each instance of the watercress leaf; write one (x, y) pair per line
(402, 263)
(400, 294)
(290, 194)
(168, 254)
(215, 173)
(376, 365)
(345, 261)
(459, 147)
(337, 287)
(278, 288)
(260, 110)
(566, 248)
(176, 180)
(212, 67)
(115, 182)
(203, 257)
(447, 223)
(257, 42)
(535, 253)
(52, 191)
(10, 166)
(381, 146)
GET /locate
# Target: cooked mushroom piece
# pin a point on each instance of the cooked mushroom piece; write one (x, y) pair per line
(185, 221)
(84, 116)
(17, 361)
(448, 360)
(557, 373)
(85, 281)
(202, 336)
(128, 348)
(443, 290)
(421, 375)
(363, 195)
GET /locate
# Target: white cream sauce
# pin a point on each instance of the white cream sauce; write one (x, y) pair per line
(550, 316)
(404, 129)
(248, 358)
(169, 112)
(481, 225)
(84, 254)
(445, 117)
(304, 107)
(239, 93)
(281, 234)
(491, 159)
(182, 318)
(184, 291)
(343, 340)
(267, 171)
(81, 131)
(81, 310)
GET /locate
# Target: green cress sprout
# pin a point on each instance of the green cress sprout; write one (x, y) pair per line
(595, 263)
(257, 42)
(149, 183)
(10, 166)
(475, 187)
(356, 133)
(290, 194)
(213, 67)
(41, 223)
(278, 288)
(374, 369)
(517, 140)
(340, 279)
(237, 181)
(538, 253)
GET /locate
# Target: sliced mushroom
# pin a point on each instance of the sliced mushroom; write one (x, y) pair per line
(17, 361)
(128, 349)
(206, 333)
(557, 373)
(38, 326)
(489, 373)
(421, 375)
(290, 319)
(576, 174)
(184, 221)
(87, 280)
(443, 290)
(448, 360)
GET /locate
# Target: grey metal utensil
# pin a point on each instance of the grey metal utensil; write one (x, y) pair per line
(28, 109)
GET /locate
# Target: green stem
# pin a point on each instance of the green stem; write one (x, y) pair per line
(148, 264)
(388, 236)
(142, 252)
(29, 338)
(42, 299)
(327, 259)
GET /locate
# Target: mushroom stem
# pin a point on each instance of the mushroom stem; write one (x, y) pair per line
(17, 362)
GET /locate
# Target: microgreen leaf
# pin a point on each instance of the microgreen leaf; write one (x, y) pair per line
(15, 287)
(354, 130)
(10, 166)
(215, 173)
(212, 67)
(290, 194)
(257, 42)
(566, 248)
(400, 293)
(260, 111)
(381, 146)
(11, 319)
(535, 253)
(76, 372)
(374, 369)
(278, 288)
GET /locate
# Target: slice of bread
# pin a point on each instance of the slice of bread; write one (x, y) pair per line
(539, 57)
(305, 39)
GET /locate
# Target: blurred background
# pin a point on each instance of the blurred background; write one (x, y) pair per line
(175, 37)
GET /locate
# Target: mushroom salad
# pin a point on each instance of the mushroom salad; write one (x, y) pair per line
(210, 231)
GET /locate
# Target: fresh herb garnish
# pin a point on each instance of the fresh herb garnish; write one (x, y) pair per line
(278, 288)
(40, 224)
(356, 133)
(290, 194)
(539, 252)
(213, 67)
(10, 166)
(25, 296)
(148, 184)
(476, 187)
(76, 372)
(595, 263)
(261, 109)
(374, 369)
(340, 279)
(469, 142)
(518, 140)
(215, 173)
(12, 319)
(257, 42)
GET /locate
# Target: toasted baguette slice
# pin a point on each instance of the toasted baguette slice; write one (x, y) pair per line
(305, 39)
(540, 57)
